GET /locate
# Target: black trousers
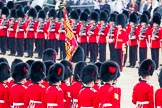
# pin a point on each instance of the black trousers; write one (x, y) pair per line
(142, 54)
(25, 45)
(155, 56)
(12, 45)
(84, 46)
(112, 52)
(132, 55)
(119, 56)
(40, 43)
(20, 46)
(30, 46)
(61, 46)
(3, 44)
(93, 52)
(102, 52)
(51, 44)
(36, 45)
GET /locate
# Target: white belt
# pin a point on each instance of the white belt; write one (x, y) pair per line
(86, 107)
(2, 101)
(75, 100)
(36, 102)
(52, 104)
(107, 104)
(158, 107)
(142, 103)
(18, 104)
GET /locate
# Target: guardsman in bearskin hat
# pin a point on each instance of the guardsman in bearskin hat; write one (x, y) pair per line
(87, 96)
(3, 30)
(18, 89)
(4, 89)
(106, 93)
(92, 36)
(52, 28)
(1, 6)
(12, 32)
(111, 35)
(77, 84)
(10, 5)
(54, 96)
(35, 93)
(20, 33)
(158, 93)
(102, 36)
(156, 36)
(120, 40)
(30, 31)
(144, 32)
(61, 35)
(143, 92)
(40, 36)
(98, 80)
(65, 84)
(132, 39)
(82, 36)
(49, 54)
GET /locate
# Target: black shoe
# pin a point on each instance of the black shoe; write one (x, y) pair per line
(59, 59)
(129, 66)
(19, 55)
(38, 57)
(28, 56)
(132, 66)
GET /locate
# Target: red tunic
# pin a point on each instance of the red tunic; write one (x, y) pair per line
(62, 32)
(17, 92)
(158, 99)
(93, 33)
(155, 41)
(87, 98)
(30, 29)
(103, 33)
(106, 97)
(35, 96)
(12, 29)
(20, 30)
(54, 97)
(143, 95)
(4, 96)
(4, 24)
(67, 95)
(112, 32)
(40, 31)
(117, 96)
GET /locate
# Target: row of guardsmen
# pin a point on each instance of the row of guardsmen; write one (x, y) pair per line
(93, 31)
(47, 84)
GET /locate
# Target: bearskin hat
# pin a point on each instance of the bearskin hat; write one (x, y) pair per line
(3, 60)
(38, 8)
(68, 69)
(77, 70)
(89, 73)
(13, 13)
(52, 13)
(5, 11)
(109, 71)
(4, 71)
(56, 73)
(20, 13)
(83, 16)
(1, 5)
(144, 19)
(20, 72)
(107, 12)
(74, 15)
(160, 78)
(86, 10)
(26, 9)
(78, 11)
(98, 64)
(78, 55)
(41, 14)
(68, 8)
(94, 16)
(32, 12)
(10, 5)
(18, 7)
(37, 71)
(121, 20)
(126, 13)
(49, 54)
(14, 63)
(103, 16)
(113, 17)
(147, 67)
(147, 13)
(107, 7)
(60, 14)
(133, 18)
(98, 11)
(48, 64)
(46, 9)
(29, 62)
(156, 18)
